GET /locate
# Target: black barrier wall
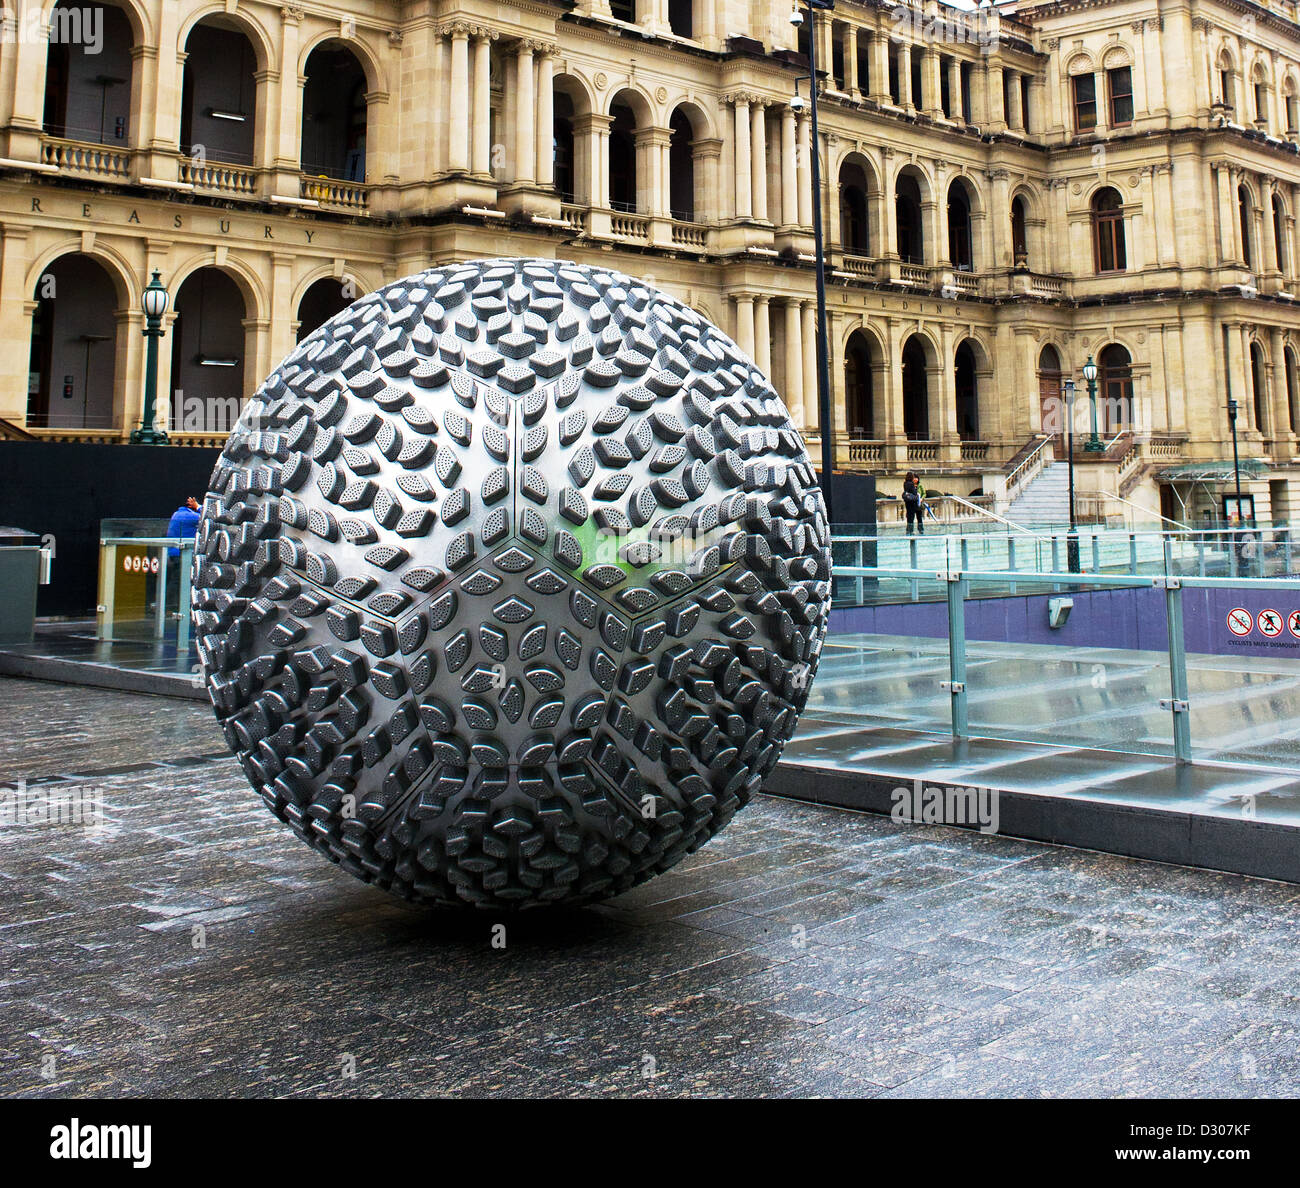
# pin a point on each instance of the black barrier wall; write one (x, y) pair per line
(63, 491)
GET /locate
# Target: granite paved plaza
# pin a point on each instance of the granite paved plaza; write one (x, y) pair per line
(191, 946)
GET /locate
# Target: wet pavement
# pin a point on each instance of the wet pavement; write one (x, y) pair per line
(190, 946)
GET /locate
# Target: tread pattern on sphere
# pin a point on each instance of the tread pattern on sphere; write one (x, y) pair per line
(511, 583)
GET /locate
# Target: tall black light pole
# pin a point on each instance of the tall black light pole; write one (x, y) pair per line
(823, 349)
(1072, 540)
(154, 303)
(1236, 458)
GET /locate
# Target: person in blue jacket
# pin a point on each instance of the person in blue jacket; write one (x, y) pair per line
(184, 522)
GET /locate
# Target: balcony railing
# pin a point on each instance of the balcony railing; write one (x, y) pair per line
(914, 274)
(239, 180)
(870, 452)
(1046, 286)
(345, 195)
(630, 226)
(575, 217)
(974, 451)
(863, 266)
(692, 236)
(86, 159)
(923, 451)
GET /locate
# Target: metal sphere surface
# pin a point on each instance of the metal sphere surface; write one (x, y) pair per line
(511, 583)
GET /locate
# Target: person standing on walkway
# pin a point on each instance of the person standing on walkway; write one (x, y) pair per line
(914, 502)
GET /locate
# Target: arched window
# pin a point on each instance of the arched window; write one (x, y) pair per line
(681, 17)
(1084, 92)
(960, 248)
(1109, 250)
(859, 395)
(1279, 235)
(334, 114)
(1245, 216)
(1051, 401)
(1115, 388)
(916, 391)
(681, 160)
(854, 237)
(1259, 386)
(1293, 404)
(88, 90)
(907, 209)
(967, 394)
(219, 94)
(622, 158)
(565, 165)
(1019, 234)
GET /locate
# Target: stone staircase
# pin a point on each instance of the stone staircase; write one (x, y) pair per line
(1045, 499)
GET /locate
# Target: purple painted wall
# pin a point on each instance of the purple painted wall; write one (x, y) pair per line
(1125, 618)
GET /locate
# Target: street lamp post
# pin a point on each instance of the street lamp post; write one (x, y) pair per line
(1094, 444)
(823, 349)
(1072, 540)
(1236, 457)
(154, 303)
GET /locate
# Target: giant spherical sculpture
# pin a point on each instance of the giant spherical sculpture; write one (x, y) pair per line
(511, 583)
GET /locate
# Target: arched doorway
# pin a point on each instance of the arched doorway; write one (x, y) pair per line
(72, 373)
(88, 94)
(565, 163)
(916, 391)
(855, 235)
(1051, 399)
(967, 394)
(859, 386)
(219, 94)
(907, 214)
(334, 114)
(1115, 389)
(322, 300)
(622, 157)
(208, 353)
(961, 249)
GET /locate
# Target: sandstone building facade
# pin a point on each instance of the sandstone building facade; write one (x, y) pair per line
(1006, 194)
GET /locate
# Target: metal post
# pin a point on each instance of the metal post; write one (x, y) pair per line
(915, 584)
(1072, 547)
(1132, 553)
(1096, 552)
(1011, 558)
(155, 304)
(823, 350)
(957, 590)
(858, 586)
(1179, 705)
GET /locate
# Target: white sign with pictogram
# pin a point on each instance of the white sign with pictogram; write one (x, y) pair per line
(1294, 623)
(1270, 623)
(1240, 621)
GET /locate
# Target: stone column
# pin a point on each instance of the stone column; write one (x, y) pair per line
(1281, 402)
(1269, 263)
(745, 327)
(956, 111)
(931, 90)
(763, 334)
(1228, 221)
(287, 155)
(809, 339)
(993, 87)
(546, 118)
(744, 165)
(1015, 110)
(458, 115)
(878, 78)
(794, 349)
(525, 109)
(789, 170)
(804, 171)
(851, 61)
(906, 99)
(481, 141)
(16, 309)
(758, 157)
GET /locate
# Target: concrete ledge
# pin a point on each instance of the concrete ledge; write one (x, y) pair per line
(1238, 845)
(99, 676)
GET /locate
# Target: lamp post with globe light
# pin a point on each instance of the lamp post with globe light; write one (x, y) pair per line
(154, 303)
(1094, 444)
